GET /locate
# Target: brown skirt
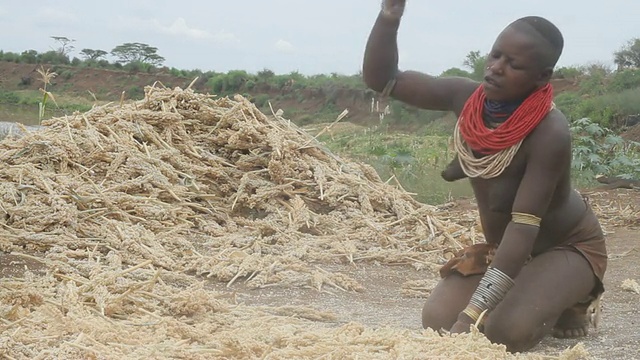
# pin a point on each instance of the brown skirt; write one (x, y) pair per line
(586, 238)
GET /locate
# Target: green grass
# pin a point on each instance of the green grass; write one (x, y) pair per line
(412, 161)
(415, 161)
(22, 106)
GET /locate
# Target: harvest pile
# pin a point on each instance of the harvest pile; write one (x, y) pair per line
(130, 210)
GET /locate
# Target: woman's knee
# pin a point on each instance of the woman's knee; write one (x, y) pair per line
(447, 300)
(437, 316)
(518, 333)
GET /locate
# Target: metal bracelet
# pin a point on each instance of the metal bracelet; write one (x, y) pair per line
(526, 219)
(472, 313)
(493, 287)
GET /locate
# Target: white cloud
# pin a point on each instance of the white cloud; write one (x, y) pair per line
(178, 28)
(223, 36)
(52, 16)
(284, 46)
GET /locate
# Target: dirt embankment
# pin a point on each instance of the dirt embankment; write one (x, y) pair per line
(108, 85)
(632, 134)
(105, 83)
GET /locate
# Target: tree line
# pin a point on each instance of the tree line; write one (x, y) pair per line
(144, 56)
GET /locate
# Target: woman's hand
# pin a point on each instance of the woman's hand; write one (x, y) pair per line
(463, 325)
(393, 9)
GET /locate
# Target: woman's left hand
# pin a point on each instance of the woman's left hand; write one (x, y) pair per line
(461, 326)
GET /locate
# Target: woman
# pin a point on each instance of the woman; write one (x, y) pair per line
(544, 259)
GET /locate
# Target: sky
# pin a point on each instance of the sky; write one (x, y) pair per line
(311, 37)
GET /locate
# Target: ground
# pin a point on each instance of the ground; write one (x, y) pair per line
(385, 300)
(394, 295)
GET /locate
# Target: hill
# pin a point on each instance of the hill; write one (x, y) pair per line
(302, 104)
(107, 85)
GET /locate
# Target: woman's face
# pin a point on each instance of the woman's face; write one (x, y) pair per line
(515, 66)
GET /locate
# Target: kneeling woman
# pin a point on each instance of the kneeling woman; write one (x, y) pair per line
(545, 257)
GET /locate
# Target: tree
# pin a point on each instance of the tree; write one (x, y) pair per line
(594, 81)
(265, 75)
(65, 44)
(629, 55)
(91, 54)
(29, 56)
(454, 71)
(572, 73)
(476, 63)
(53, 57)
(137, 52)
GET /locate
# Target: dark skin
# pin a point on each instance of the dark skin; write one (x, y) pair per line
(537, 182)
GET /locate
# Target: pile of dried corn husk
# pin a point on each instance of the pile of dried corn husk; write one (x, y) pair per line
(211, 187)
(128, 209)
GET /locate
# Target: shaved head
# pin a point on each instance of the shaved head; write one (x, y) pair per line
(546, 34)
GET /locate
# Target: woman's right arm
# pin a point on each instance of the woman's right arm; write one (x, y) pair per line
(380, 69)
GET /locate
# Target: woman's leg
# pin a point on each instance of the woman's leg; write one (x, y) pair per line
(548, 285)
(447, 300)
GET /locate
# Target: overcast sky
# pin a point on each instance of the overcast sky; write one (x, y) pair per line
(319, 36)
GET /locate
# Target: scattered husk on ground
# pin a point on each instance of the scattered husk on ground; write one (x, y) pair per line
(130, 210)
(631, 285)
(616, 210)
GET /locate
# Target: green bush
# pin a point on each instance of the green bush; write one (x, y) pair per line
(456, 72)
(217, 84)
(8, 97)
(599, 150)
(54, 57)
(67, 74)
(250, 84)
(11, 57)
(29, 57)
(568, 103)
(135, 92)
(625, 80)
(569, 73)
(261, 100)
(138, 67)
(608, 109)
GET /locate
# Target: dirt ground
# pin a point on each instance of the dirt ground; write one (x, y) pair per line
(384, 303)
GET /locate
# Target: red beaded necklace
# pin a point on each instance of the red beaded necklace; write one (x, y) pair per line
(523, 120)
